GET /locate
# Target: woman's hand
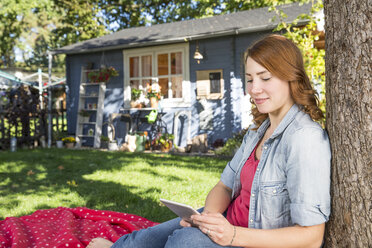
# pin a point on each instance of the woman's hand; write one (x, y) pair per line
(186, 223)
(216, 226)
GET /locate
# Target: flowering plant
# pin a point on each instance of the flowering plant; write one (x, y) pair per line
(136, 94)
(103, 74)
(153, 91)
(69, 139)
(164, 141)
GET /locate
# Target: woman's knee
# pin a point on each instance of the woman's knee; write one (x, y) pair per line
(187, 237)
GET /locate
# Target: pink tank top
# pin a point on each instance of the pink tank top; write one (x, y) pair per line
(238, 210)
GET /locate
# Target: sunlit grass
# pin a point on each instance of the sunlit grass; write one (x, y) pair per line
(123, 182)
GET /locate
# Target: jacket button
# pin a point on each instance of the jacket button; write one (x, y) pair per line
(251, 220)
(274, 191)
(265, 147)
(253, 194)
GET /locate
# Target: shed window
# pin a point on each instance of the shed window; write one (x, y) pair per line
(166, 66)
(140, 73)
(209, 84)
(170, 74)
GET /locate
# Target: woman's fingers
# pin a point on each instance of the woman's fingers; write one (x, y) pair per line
(185, 223)
(214, 219)
(216, 226)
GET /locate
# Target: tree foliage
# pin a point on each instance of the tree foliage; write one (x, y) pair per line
(305, 37)
(32, 27)
(79, 20)
(126, 13)
(14, 18)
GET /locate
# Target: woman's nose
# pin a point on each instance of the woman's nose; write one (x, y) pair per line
(256, 88)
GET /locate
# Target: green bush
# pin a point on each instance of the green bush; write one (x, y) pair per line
(232, 144)
(60, 135)
(104, 138)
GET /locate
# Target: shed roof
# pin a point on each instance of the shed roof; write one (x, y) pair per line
(229, 24)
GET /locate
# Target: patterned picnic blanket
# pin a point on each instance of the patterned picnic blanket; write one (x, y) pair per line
(67, 227)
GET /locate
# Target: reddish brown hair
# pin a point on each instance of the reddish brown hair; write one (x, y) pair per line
(282, 58)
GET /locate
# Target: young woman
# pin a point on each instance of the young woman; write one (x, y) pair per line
(275, 190)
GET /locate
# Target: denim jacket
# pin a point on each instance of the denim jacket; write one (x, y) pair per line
(292, 181)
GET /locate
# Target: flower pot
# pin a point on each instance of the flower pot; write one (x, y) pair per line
(59, 144)
(113, 146)
(154, 102)
(132, 143)
(134, 104)
(70, 145)
(104, 144)
(166, 147)
(140, 143)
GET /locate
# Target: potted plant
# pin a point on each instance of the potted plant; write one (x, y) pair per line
(85, 114)
(135, 98)
(141, 138)
(102, 75)
(113, 145)
(104, 142)
(153, 94)
(69, 141)
(164, 142)
(58, 136)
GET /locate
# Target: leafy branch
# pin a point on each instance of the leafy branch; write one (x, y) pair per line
(305, 37)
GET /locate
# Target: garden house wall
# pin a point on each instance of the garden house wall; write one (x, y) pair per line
(230, 114)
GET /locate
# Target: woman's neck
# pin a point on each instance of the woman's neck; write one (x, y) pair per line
(277, 116)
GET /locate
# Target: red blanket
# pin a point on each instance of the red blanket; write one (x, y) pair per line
(67, 227)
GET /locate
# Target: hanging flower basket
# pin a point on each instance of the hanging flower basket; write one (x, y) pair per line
(102, 75)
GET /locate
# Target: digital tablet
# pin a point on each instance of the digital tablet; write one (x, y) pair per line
(182, 210)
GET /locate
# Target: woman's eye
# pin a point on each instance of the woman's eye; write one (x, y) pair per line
(266, 79)
(249, 81)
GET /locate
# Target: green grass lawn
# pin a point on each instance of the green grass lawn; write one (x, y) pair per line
(117, 181)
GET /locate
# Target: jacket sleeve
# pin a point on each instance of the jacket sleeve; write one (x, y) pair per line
(308, 176)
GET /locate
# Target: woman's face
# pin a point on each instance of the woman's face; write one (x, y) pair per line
(270, 94)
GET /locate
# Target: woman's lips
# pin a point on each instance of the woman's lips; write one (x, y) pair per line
(260, 100)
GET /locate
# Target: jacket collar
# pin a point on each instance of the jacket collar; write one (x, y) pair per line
(288, 118)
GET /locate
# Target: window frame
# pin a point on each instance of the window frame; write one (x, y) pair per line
(185, 101)
(203, 85)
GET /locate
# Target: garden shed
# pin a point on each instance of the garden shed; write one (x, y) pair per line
(197, 63)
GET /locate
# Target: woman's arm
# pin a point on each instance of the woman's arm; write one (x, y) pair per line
(218, 199)
(222, 232)
(294, 236)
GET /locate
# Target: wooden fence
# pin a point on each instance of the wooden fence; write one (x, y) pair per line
(30, 130)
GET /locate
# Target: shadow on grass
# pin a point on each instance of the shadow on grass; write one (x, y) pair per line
(42, 172)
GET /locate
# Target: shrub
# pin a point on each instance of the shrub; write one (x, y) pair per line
(104, 138)
(232, 144)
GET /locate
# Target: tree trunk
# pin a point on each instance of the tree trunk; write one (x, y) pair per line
(349, 123)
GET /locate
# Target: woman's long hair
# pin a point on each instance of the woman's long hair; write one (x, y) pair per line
(282, 58)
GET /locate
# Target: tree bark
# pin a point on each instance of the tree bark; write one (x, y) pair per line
(349, 107)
